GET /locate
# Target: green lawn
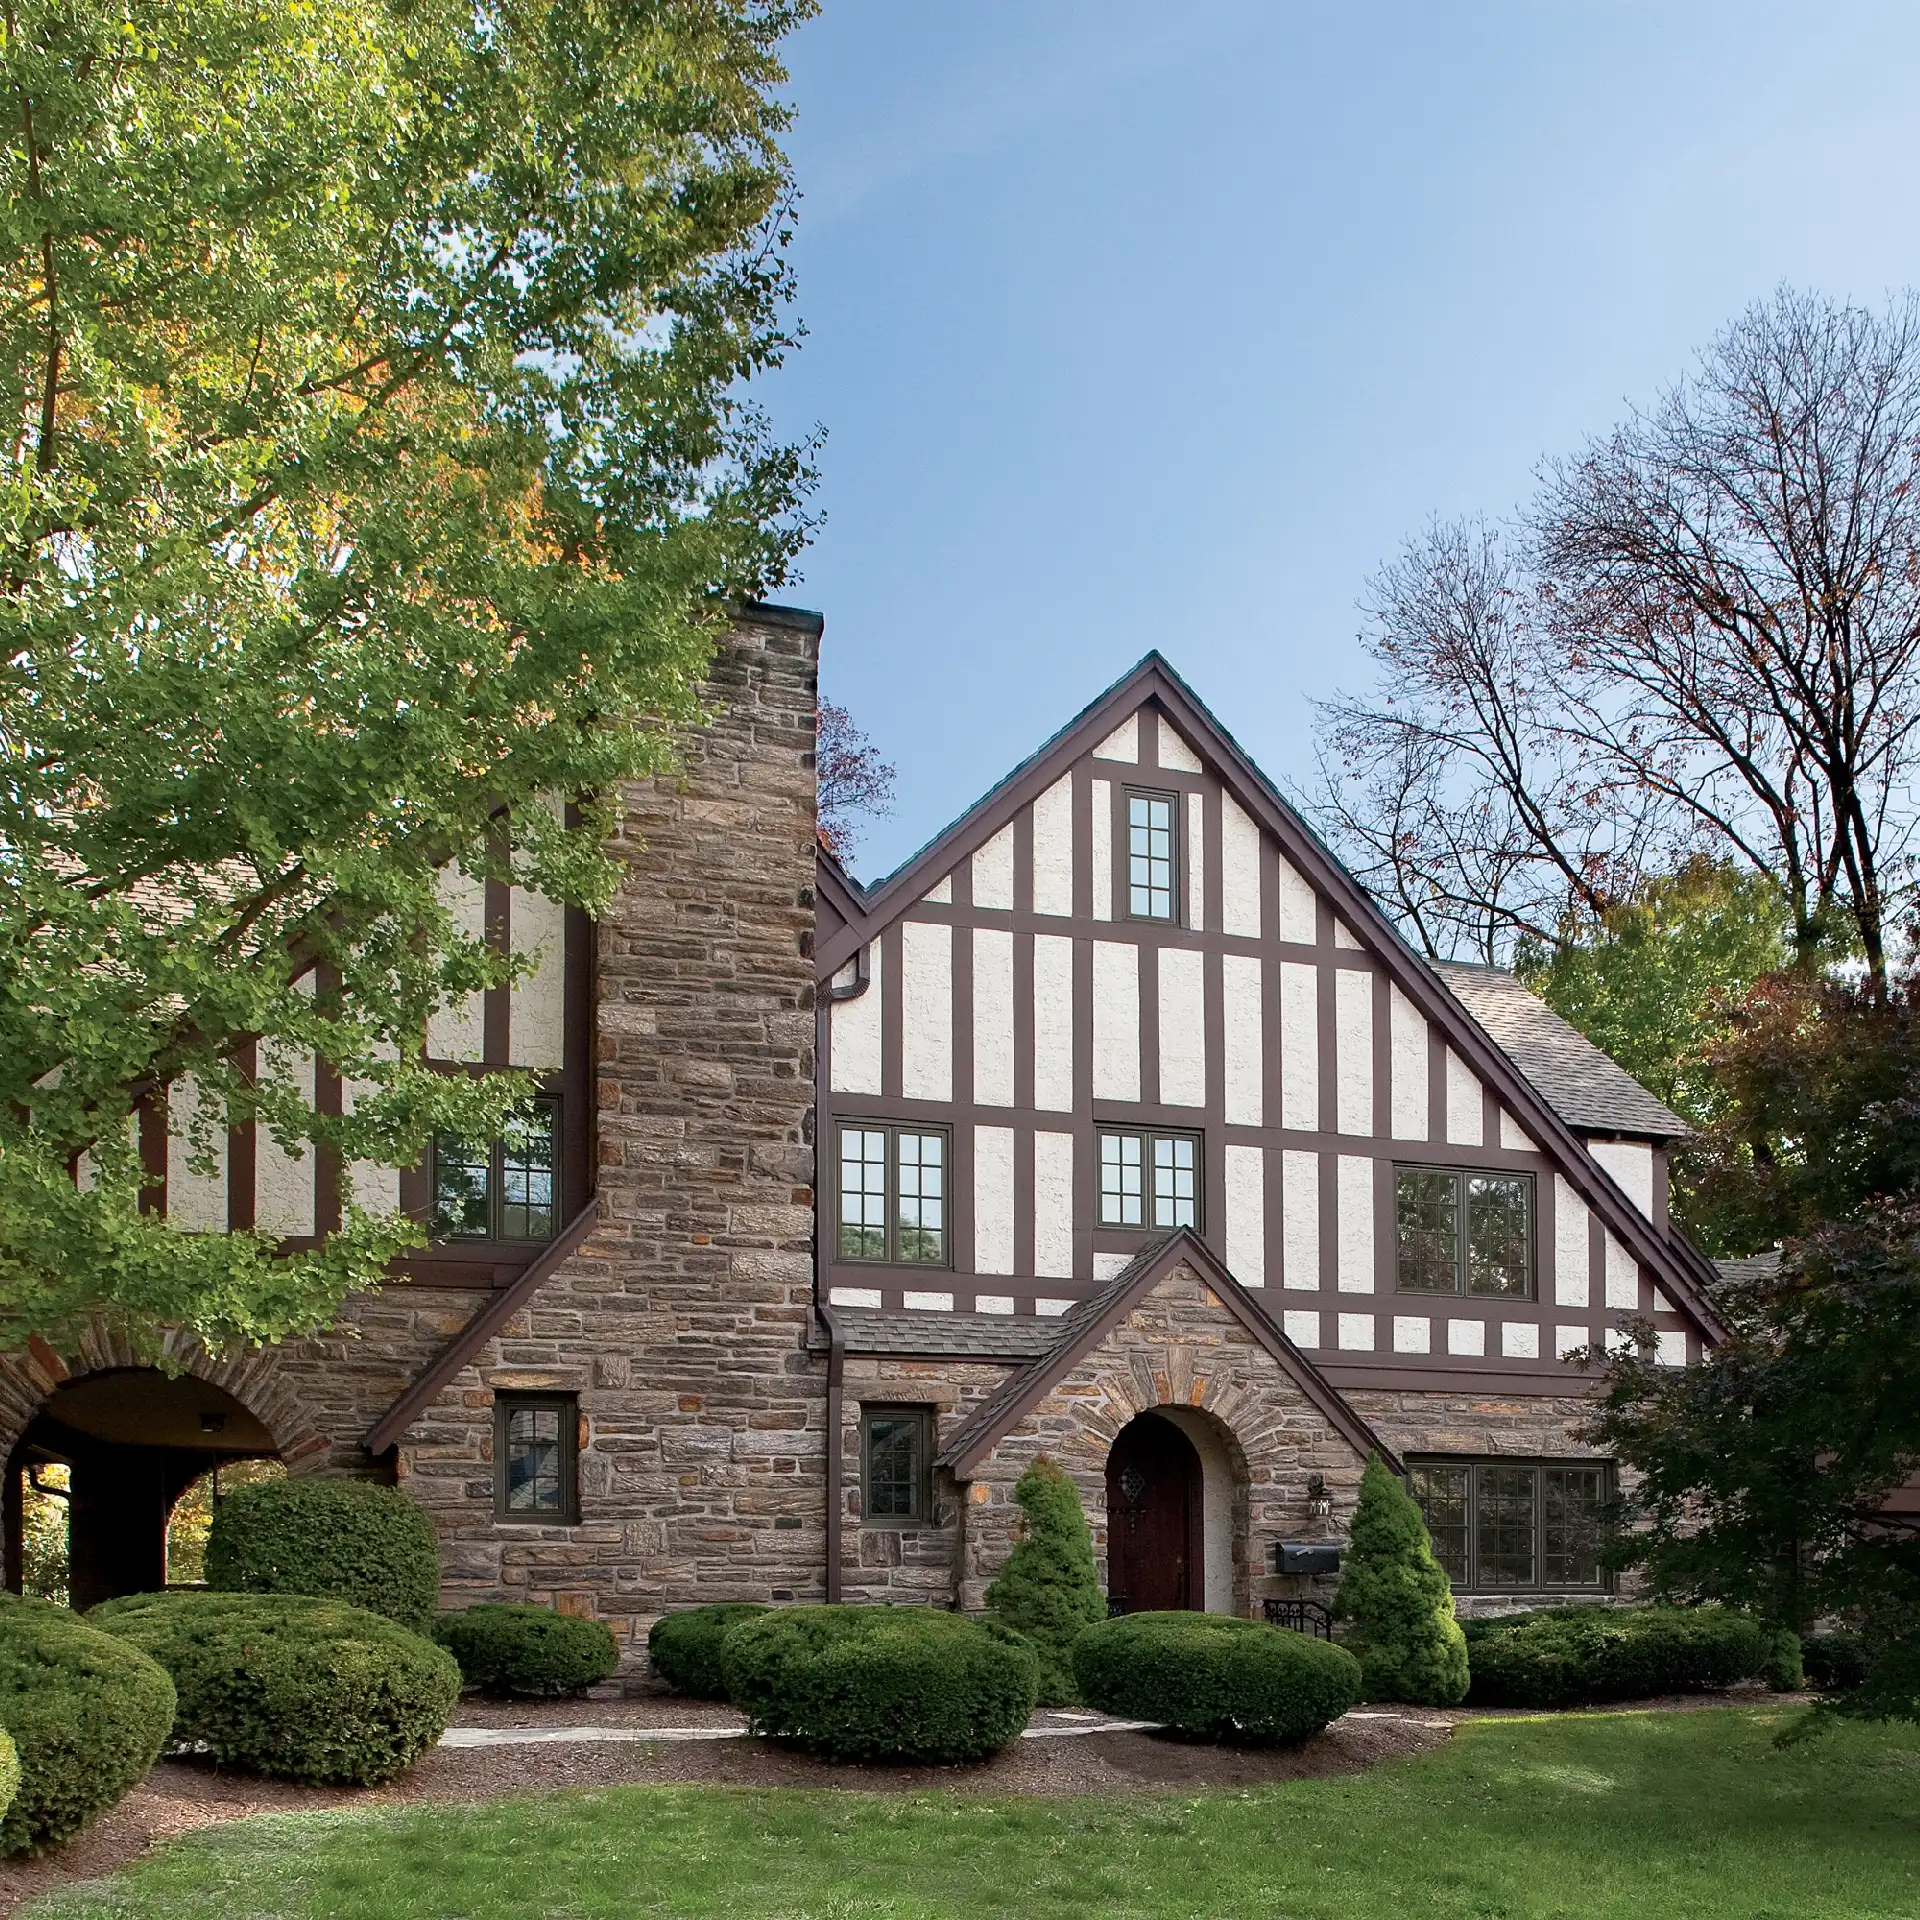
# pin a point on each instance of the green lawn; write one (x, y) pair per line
(1630, 1815)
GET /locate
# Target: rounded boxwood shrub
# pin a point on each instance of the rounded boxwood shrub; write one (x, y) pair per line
(297, 1688)
(87, 1715)
(1835, 1662)
(1569, 1656)
(1208, 1674)
(529, 1651)
(334, 1539)
(684, 1648)
(881, 1683)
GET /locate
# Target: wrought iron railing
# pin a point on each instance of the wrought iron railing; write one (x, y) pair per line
(1303, 1616)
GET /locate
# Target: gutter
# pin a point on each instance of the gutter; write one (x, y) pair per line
(836, 1446)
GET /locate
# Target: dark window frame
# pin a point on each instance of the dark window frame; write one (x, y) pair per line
(505, 1405)
(1148, 1138)
(917, 1419)
(1173, 917)
(1472, 1577)
(497, 1204)
(890, 1256)
(1462, 1178)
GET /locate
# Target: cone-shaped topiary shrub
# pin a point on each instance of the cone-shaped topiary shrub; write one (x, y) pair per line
(1396, 1594)
(1049, 1589)
(1219, 1678)
(683, 1649)
(527, 1652)
(87, 1714)
(881, 1683)
(295, 1688)
(334, 1539)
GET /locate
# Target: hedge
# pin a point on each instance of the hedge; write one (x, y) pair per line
(527, 1651)
(333, 1539)
(684, 1648)
(9, 1772)
(87, 1715)
(881, 1683)
(1211, 1675)
(1567, 1656)
(296, 1688)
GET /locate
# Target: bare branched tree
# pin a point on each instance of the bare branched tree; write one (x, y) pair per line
(855, 783)
(1704, 636)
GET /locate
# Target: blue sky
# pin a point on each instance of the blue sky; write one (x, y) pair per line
(1136, 324)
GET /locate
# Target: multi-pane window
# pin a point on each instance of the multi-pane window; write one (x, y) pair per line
(535, 1446)
(896, 1451)
(1465, 1232)
(506, 1189)
(893, 1195)
(1149, 1180)
(1505, 1526)
(1151, 818)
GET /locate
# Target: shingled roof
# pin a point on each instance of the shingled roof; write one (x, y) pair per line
(1579, 1082)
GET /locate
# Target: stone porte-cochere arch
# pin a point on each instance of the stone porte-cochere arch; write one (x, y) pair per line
(1177, 1337)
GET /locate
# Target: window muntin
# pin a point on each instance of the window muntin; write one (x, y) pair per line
(535, 1453)
(1464, 1231)
(1513, 1526)
(1149, 1180)
(896, 1453)
(506, 1189)
(893, 1195)
(1151, 822)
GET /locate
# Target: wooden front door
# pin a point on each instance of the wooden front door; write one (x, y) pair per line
(1153, 1519)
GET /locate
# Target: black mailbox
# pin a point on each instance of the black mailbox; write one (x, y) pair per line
(1301, 1556)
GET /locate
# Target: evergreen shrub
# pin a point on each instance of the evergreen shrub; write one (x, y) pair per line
(334, 1539)
(1214, 1676)
(684, 1648)
(1569, 1656)
(1835, 1662)
(1398, 1599)
(293, 1687)
(9, 1772)
(531, 1652)
(1049, 1590)
(87, 1715)
(905, 1684)
(1786, 1669)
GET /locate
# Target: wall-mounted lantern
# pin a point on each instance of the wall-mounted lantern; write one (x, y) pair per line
(1319, 1500)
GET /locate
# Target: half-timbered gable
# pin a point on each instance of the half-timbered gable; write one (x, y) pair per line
(1131, 992)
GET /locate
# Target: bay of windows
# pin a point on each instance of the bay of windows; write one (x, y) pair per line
(1464, 1231)
(893, 1195)
(1513, 1526)
(1149, 1180)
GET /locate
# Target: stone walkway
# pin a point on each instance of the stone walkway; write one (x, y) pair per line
(1049, 1724)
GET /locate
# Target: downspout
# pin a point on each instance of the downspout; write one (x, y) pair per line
(836, 1442)
(836, 1333)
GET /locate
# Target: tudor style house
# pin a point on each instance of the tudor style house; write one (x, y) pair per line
(1118, 1125)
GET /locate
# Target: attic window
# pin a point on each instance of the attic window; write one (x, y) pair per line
(1150, 855)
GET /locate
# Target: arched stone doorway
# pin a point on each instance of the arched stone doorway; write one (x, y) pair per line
(1156, 1519)
(132, 1440)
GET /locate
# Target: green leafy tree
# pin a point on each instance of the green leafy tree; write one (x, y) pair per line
(1396, 1595)
(1049, 1589)
(1763, 1474)
(1654, 981)
(376, 470)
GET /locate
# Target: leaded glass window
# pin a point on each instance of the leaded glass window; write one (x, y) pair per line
(895, 1455)
(1151, 818)
(893, 1195)
(1513, 1526)
(505, 1189)
(1149, 1179)
(1464, 1232)
(536, 1437)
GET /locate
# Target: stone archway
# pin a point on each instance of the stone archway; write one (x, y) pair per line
(132, 1437)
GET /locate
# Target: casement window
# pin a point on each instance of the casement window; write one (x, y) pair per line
(1152, 862)
(536, 1446)
(896, 1463)
(893, 1194)
(1149, 1180)
(1464, 1231)
(1514, 1526)
(504, 1190)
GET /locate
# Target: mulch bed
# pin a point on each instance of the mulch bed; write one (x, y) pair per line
(180, 1795)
